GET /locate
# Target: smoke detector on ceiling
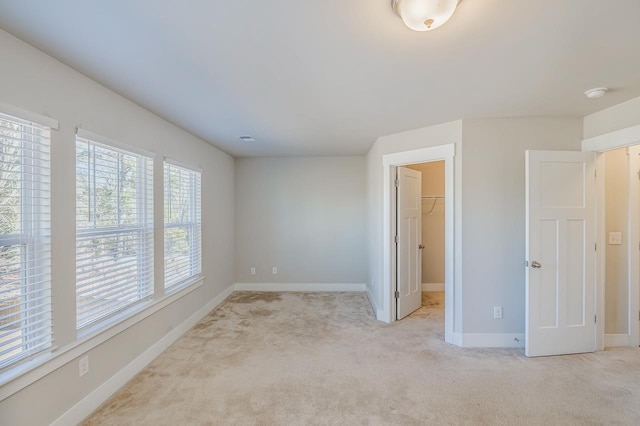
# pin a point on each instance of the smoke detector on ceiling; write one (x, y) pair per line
(598, 92)
(247, 138)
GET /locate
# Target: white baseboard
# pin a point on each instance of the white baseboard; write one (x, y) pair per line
(298, 287)
(616, 340)
(379, 313)
(372, 301)
(432, 286)
(457, 339)
(506, 340)
(91, 402)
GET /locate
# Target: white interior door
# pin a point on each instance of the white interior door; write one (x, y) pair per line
(409, 232)
(560, 252)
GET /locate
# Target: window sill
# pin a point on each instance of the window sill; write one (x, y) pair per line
(181, 285)
(22, 375)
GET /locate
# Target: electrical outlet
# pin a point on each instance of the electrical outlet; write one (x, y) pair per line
(253, 270)
(497, 312)
(274, 270)
(83, 365)
(615, 238)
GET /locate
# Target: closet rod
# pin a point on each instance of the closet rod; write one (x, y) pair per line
(433, 197)
(435, 200)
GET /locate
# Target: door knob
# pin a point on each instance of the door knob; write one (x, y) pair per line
(536, 264)
(420, 246)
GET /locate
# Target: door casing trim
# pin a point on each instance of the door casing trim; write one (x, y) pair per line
(624, 138)
(453, 267)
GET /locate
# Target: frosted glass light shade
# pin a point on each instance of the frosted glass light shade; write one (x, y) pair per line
(424, 15)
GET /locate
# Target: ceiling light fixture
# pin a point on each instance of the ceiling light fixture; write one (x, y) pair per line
(598, 92)
(424, 15)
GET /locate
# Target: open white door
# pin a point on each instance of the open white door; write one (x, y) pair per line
(409, 232)
(560, 253)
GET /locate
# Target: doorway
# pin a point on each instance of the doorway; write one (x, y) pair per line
(452, 256)
(426, 274)
(620, 229)
(625, 139)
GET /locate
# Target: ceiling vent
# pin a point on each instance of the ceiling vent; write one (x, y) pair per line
(247, 138)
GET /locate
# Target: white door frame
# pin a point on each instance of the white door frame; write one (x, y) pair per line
(623, 138)
(453, 300)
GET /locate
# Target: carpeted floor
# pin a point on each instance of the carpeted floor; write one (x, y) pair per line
(321, 358)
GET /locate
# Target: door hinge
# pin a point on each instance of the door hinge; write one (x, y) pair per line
(595, 319)
(397, 182)
(396, 239)
(526, 263)
(595, 246)
(397, 295)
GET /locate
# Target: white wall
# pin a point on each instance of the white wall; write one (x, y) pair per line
(35, 82)
(306, 216)
(617, 256)
(493, 217)
(617, 117)
(432, 224)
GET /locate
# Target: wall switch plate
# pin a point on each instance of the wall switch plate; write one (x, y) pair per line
(274, 270)
(497, 312)
(253, 270)
(615, 238)
(83, 365)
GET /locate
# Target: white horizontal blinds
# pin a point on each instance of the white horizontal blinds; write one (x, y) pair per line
(25, 246)
(182, 226)
(114, 230)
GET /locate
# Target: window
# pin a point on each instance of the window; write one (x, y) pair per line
(182, 226)
(25, 247)
(114, 230)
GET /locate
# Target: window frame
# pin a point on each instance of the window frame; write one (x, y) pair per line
(144, 226)
(33, 241)
(194, 226)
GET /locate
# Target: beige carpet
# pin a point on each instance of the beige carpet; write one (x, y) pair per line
(321, 358)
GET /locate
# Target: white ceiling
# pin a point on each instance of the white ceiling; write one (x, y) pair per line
(327, 77)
